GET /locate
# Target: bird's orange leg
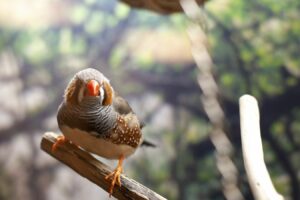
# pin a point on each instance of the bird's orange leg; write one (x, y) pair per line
(115, 175)
(60, 140)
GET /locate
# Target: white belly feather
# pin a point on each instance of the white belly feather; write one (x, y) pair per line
(95, 145)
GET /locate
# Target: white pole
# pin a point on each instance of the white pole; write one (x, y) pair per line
(258, 176)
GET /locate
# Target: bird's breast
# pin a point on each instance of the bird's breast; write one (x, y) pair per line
(89, 116)
(99, 146)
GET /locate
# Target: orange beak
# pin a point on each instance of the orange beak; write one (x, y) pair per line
(93, 88)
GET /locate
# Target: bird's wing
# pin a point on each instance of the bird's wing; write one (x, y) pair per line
(121, 106)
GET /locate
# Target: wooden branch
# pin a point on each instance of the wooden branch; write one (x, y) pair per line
(258, 176)
(94, 170)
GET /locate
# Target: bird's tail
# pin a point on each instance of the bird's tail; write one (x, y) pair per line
(146, 143)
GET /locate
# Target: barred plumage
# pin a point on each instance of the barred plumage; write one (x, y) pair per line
(89, 116)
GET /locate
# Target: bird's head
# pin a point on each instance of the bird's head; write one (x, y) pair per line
(89, 83)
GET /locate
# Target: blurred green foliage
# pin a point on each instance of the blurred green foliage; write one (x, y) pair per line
(255, 45)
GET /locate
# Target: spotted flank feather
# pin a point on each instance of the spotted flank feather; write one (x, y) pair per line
(124, 134)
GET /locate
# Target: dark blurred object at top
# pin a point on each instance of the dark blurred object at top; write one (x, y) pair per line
(160, 6)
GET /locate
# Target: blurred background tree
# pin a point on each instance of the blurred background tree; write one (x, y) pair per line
(255, 45)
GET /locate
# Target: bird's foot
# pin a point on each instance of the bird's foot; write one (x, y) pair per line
(60, 140)
(115, 176)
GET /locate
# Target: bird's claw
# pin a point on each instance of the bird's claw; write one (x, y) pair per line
(60, 140)
(116, 179)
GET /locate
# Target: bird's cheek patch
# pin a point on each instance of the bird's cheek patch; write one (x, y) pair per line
(108, 94)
